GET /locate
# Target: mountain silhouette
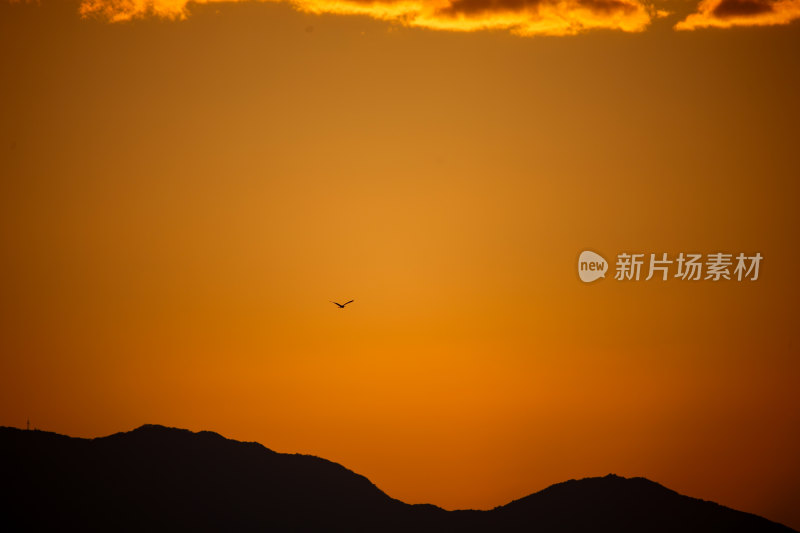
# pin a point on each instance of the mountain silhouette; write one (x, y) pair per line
(159, 478)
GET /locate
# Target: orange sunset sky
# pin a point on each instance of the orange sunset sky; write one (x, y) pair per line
(185, 186)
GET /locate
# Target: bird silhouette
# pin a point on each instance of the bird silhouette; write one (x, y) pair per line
(341, 306)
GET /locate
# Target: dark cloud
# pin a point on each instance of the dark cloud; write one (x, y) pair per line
(608, 7)
(738, 8)
(729, 13)
(475, 7)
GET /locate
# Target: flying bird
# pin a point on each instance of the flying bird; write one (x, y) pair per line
(341, 306)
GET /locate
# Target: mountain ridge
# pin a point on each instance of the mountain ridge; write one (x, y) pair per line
(158, 478)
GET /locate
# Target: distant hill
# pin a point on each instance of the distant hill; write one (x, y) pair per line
(158, 478)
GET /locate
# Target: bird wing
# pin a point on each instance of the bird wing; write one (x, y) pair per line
(337, 303)
(347, 302)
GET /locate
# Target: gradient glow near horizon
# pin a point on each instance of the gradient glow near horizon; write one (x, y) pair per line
(184, 190)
